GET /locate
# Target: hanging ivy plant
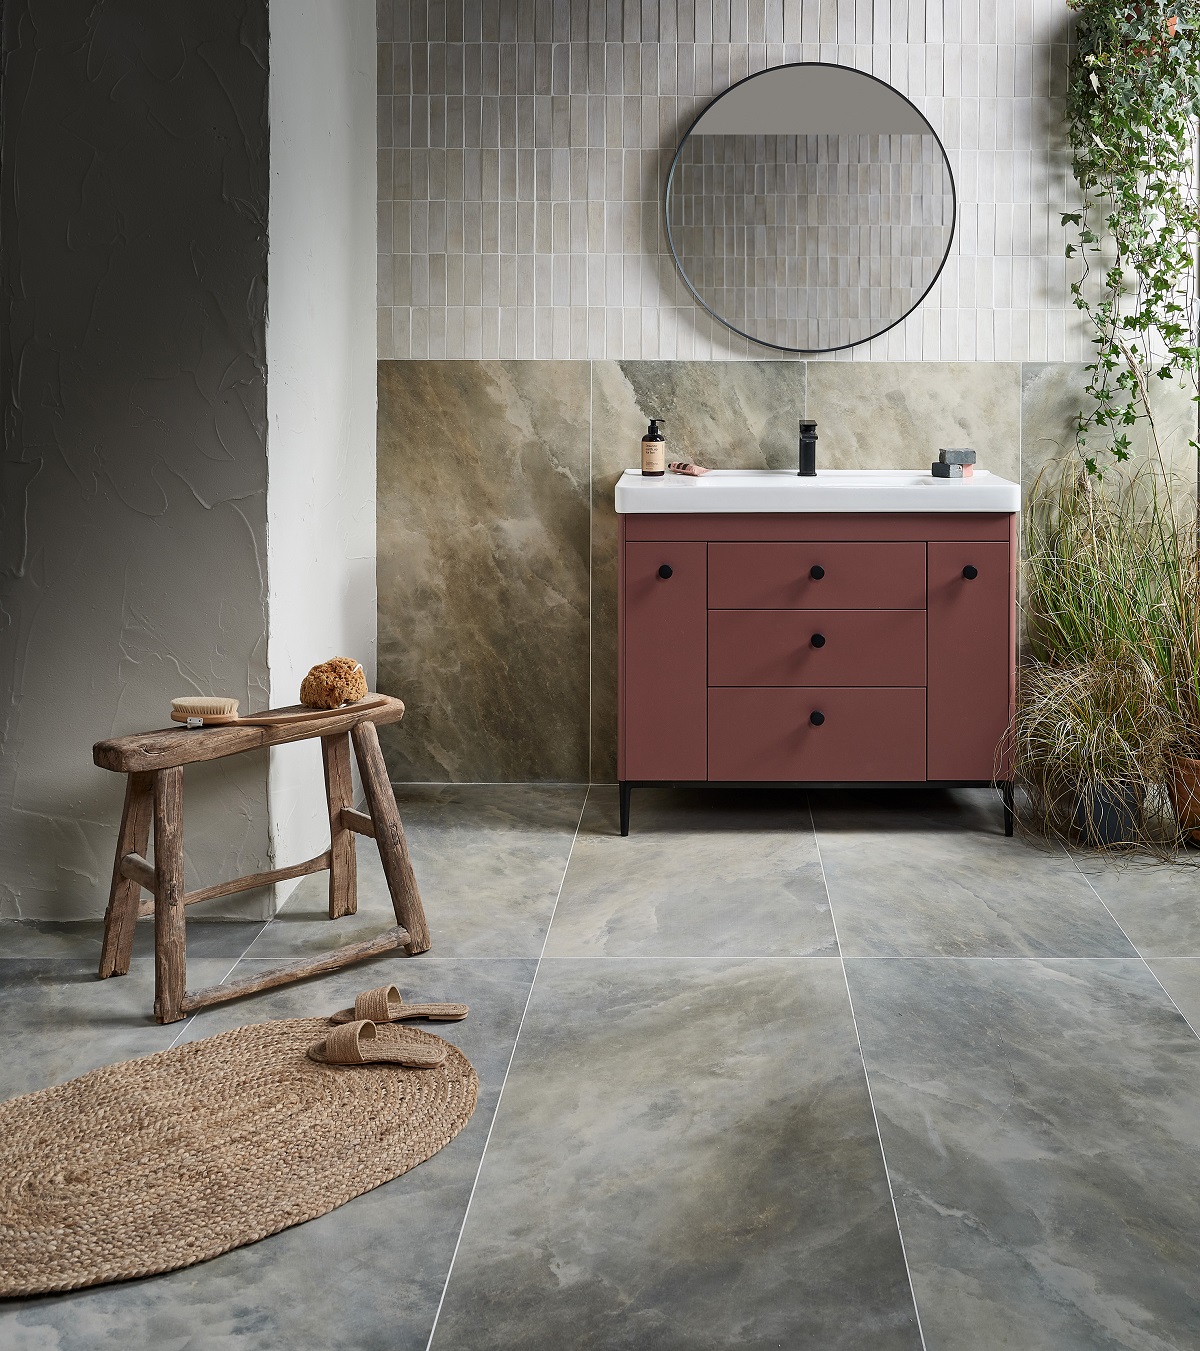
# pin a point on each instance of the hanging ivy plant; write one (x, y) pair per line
(1132, 103)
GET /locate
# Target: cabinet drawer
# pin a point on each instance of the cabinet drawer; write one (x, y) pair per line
(816, 576)
(816, 647)
(867, 735)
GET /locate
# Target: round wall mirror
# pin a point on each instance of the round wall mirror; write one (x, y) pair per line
(810, 207)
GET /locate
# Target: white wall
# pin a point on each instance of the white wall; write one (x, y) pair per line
(133, 510)
(523, 149)
(321, 377)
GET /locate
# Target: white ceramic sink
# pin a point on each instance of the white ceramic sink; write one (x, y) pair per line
(832, 490)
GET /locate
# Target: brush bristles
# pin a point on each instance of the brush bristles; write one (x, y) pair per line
(204, 707)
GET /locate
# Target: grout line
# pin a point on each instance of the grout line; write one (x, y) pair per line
(1075, 864)
(504, 1082)
(824, 957)
(591, 557)
(912, 1290)
(490, 783)
(187, 1022)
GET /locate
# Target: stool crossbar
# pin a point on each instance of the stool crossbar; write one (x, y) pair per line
(153, 763)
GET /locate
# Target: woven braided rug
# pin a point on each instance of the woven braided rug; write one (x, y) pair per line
(157, 1163)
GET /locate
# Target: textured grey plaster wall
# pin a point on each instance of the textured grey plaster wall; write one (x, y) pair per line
(133, 220)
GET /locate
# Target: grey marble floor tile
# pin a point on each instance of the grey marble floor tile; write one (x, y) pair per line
(82, 938)
(489, 860)
(205, 937)
(924, 873)
(703, 873)
(1180, 977)
(685, 1157)
(50, 938)
(365, 1277)
(58, 1021)
(1157, 904)
(1042, 1127)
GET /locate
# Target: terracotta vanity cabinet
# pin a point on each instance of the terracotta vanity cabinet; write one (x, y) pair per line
(808, 648)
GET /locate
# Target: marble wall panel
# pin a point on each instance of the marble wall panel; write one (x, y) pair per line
(483, 526)
(1052, 395)
(898, 414)
(724, 414)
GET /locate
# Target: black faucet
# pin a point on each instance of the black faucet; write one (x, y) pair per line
(808, 450)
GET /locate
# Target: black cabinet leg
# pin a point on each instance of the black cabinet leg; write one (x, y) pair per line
(626, 794)
(1006, 791)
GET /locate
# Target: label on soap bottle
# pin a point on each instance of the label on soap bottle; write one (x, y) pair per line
(654, 456)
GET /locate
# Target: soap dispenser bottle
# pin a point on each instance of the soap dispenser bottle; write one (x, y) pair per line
(654, 451)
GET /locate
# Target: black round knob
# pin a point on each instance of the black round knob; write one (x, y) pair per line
(816, 572)
(817, 640)
(970, 572)
(816, 717)
(665, 571)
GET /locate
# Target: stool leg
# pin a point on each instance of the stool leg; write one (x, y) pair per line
(170, 973)
(389, 836)
(124, 895)
(339, 793)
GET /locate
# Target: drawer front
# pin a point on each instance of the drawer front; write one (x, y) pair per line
(816, 576)
(867, 736)
(816, 647)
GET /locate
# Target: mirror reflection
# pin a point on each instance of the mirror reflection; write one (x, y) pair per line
(810, 207)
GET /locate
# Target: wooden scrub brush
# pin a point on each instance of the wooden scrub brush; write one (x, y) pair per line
(218, 712)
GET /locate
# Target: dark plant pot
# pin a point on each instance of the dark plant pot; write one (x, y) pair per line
(1184, 787)
(1110, 815)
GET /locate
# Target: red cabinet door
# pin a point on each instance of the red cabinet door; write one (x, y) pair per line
(972, 657)
(665, 686)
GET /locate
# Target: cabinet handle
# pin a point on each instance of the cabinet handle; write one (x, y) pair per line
(817, 640)
(970, 572)
(816, 717)
(816, 572)
(665, 571)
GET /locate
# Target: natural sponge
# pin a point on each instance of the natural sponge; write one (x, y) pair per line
(334, 682)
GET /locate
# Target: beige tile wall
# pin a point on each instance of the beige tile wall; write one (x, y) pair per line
(524, 144)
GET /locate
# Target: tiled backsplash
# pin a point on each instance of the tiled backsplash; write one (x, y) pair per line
(524, 145)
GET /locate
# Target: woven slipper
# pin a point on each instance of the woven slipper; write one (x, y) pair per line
(385, 1005)
(362, 1043)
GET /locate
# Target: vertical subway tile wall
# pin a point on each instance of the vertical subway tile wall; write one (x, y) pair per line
(531, 319)
(523, 147)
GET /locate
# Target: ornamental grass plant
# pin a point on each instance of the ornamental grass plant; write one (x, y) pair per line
(1109, 693)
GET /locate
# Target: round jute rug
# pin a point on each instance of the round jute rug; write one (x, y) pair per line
(157, 1163)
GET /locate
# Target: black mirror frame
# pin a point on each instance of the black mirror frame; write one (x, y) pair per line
(762, 342)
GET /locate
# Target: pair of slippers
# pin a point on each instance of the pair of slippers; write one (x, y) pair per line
(366, 1035)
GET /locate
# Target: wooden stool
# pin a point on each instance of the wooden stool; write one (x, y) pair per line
(154, 763)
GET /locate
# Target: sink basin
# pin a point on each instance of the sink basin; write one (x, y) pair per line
(782, 490)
